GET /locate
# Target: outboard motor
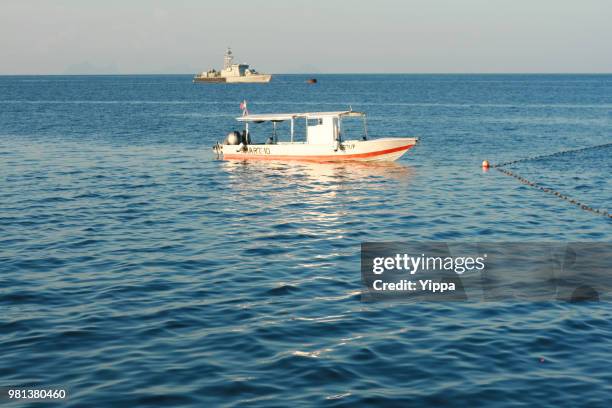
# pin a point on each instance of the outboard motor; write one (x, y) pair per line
(233, 138)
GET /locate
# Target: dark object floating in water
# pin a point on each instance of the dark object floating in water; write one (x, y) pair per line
(311, 81)
(584, 293)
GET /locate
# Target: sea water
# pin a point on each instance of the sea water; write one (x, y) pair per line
(136, 269)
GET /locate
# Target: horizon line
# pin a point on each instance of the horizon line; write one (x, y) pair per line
(331, 73)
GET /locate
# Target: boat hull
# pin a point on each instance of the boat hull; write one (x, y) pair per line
(386, 149)
(215, 80)
(247, 79)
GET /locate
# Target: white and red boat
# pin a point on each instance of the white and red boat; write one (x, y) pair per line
(323, 140)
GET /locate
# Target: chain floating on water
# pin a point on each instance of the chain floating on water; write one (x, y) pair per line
(585, 207)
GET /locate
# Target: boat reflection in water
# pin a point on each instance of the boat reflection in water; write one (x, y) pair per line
(311, 198)
(307, 217)
(332, 175)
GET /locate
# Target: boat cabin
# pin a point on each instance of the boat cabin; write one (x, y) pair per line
(321, 128)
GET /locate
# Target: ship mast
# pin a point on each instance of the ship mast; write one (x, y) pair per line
(228, 58)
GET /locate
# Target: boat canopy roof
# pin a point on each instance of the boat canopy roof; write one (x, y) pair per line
(279, 117)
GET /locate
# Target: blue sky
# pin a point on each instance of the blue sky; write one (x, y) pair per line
(412, 36)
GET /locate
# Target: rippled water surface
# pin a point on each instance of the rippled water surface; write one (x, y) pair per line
(138, 270)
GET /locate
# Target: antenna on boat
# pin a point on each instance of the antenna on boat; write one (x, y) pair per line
(228, 58)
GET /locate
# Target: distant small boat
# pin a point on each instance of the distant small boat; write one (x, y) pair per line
(311, 81)
(324, 142)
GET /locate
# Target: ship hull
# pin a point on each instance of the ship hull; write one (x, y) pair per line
(386, 150)
(209, 80)
(249, 79)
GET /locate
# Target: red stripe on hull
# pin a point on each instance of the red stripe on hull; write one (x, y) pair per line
(325, 158)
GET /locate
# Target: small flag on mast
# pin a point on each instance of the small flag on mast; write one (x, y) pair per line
(243, 106)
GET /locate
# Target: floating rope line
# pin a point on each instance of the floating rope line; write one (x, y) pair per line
(545, 156)
(585, 207)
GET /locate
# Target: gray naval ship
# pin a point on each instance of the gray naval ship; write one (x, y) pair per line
(232, 73)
